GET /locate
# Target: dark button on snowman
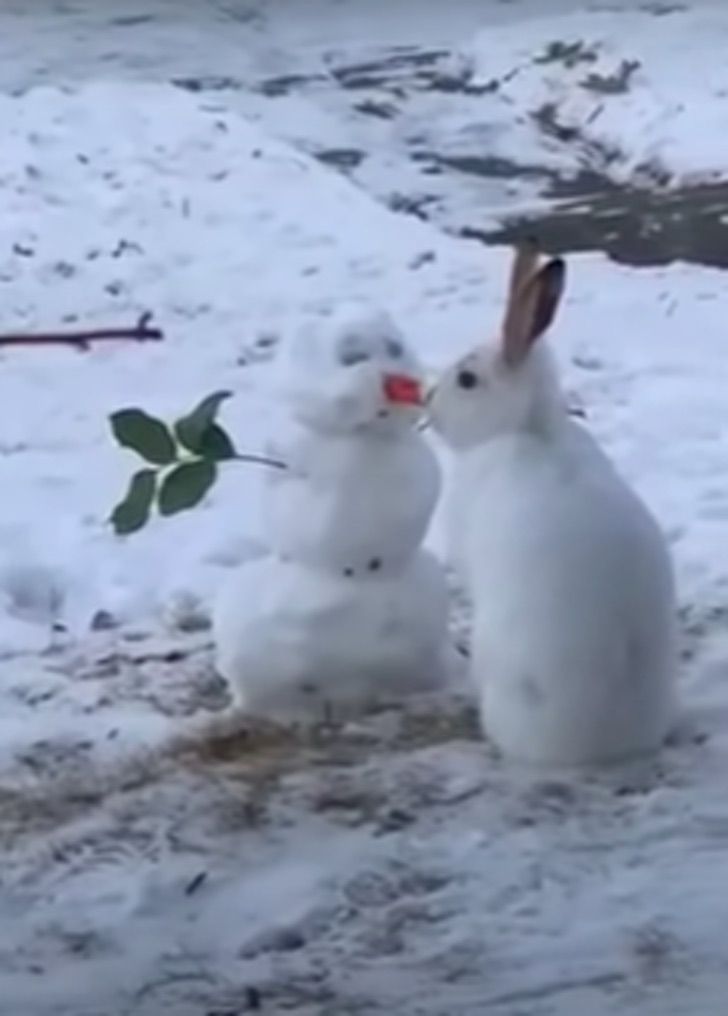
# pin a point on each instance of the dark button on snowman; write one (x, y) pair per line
(347, 607)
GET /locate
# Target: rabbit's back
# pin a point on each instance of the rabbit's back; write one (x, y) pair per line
(574, 620)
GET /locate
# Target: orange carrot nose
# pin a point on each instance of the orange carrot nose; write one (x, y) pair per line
(402, 389)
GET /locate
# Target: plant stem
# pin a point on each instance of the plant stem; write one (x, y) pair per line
(261, 460)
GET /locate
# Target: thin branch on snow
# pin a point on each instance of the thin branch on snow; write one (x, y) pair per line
(82, 340)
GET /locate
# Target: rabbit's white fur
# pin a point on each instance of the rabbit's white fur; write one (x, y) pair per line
(346, 601)
(574, 630)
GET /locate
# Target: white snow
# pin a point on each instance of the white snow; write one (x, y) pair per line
(395, 866)
(642, 104)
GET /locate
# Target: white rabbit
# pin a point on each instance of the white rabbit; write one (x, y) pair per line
(574, 628)
(361, 483)
(347, 606)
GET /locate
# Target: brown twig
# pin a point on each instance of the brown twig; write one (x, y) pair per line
(81, 340)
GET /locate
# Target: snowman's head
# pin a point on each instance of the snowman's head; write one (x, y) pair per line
(351, 372)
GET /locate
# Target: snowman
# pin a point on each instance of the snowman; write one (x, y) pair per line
(347, 607)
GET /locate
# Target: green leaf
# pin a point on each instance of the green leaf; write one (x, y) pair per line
(193, 429)
(186, 486)
(216, 444)
(133, 512)
(144, 434)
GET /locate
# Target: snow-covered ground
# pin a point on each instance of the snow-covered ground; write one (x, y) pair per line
(153, 865)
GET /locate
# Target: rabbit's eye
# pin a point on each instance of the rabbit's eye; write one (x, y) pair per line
(467, 379)
(395, 348)
(352, 356)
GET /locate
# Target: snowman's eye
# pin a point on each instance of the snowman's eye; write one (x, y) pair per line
(395, 348)
(351, 354)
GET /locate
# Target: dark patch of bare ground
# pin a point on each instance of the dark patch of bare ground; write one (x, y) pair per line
(646, 224)
(632, 226)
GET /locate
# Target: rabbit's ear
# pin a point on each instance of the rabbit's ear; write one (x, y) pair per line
(534, 308)
(525, 262)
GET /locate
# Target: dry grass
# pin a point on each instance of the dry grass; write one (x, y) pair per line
(248, 757)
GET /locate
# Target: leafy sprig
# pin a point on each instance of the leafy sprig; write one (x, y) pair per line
(183, 461)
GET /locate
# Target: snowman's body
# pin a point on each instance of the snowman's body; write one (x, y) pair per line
(347, 607)
(346, 502)
(304, 638)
